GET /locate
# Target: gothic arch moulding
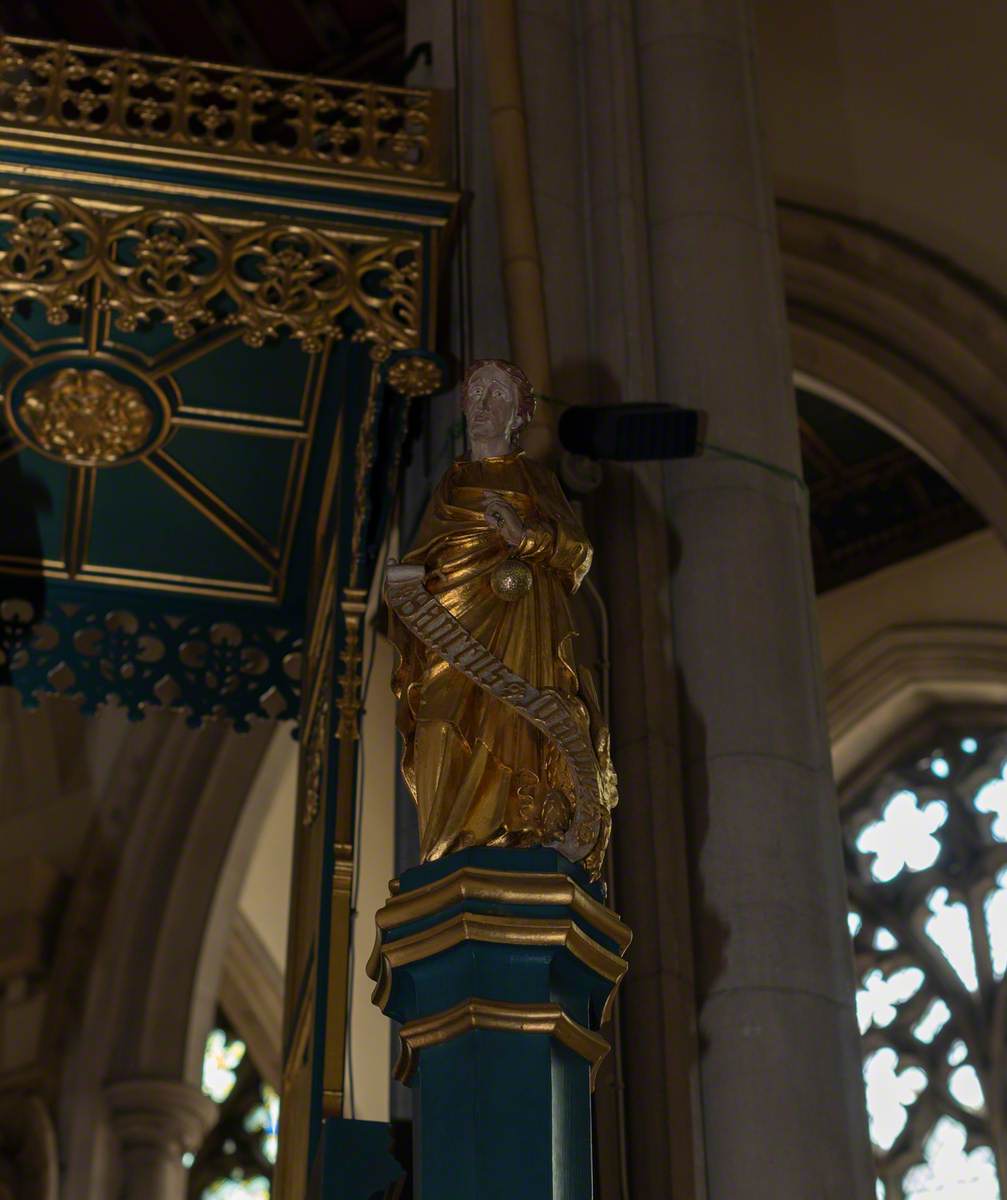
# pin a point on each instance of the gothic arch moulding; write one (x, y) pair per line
(176, 827)
(886, 686)
(905, 339)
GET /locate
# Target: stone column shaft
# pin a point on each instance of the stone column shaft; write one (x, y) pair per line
(155, 1122)
(782, 1096)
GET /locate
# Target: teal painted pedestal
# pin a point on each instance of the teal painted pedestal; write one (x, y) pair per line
(501, 965)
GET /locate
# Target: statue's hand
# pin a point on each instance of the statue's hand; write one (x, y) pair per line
(502, 517)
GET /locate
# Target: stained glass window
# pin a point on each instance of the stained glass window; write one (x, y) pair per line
(221, 1059)
(237, 1157)
(926, 852)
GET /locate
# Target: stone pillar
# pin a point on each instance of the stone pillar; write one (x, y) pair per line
(782, 1096)
(156, 1122)
(501, 965)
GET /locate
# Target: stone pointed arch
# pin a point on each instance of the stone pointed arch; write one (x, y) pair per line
(886, 685)
(905, 339)
(176, 825)
(29, 1164)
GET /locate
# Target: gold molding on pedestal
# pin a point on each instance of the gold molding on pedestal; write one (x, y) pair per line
(455, 1022)
(149, 105)
(487, 927)
(502, 887)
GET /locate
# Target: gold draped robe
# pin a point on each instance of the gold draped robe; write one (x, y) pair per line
(479, 772)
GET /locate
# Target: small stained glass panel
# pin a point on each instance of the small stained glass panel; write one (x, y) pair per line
(940, 766)
(995, 911)
(966, 1088)
(884, 939)
(890, 1093)
(220, 1063)
(958, 1052)
(992, 798)
(256, 1188)
(880, 995)
(903, 836)
(950, 1171)
(927, 875)
(932, 1022)
(949, 928)
(265, 1119)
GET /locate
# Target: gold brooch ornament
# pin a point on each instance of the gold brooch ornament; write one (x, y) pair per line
(511, 580)
(415, 376)
(86, 417)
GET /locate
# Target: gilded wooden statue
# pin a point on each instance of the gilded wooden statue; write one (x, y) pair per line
(504, 744)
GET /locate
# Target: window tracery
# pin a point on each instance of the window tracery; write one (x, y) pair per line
(237, 1157)
(926, 855)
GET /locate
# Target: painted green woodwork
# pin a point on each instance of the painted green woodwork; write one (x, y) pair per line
(355, 1162)
(34, 501)
(267, 381)
(235, 462)
(141, 523)
(500, 1114)
(154, 546)
(197, 586)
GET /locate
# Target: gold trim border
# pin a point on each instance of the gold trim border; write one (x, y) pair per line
(455, 1022)
(488, 928)
(503, 887)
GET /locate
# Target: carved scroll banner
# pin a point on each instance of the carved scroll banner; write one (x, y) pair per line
(433, 625)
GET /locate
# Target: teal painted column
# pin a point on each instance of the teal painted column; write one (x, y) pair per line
(501, 966)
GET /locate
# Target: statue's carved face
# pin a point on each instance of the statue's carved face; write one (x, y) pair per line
(491, 404)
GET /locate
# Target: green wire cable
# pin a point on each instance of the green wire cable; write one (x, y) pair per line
(782, 472)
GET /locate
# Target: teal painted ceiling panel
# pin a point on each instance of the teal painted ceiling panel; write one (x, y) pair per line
(248, 472)
(30, 321)
(34, 492)
(150, 338)
(143, 524)
(268, 381)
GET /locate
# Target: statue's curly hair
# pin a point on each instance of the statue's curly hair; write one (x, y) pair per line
(526, 397)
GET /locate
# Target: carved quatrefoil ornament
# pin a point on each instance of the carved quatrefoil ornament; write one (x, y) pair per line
(86, 417)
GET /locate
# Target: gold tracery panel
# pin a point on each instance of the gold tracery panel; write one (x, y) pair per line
(176, 264)
(173, 104)
(97, 398)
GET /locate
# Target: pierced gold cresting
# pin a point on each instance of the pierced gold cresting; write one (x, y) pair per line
(211, 109)
(87, 418)
(549, 1019)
